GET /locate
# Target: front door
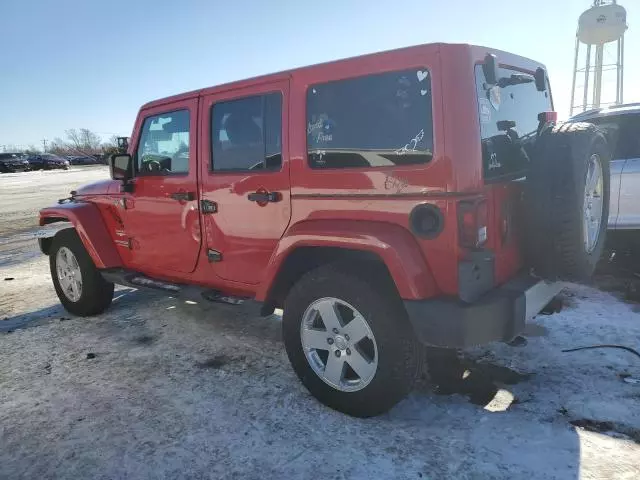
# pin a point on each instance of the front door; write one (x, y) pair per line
(161, 216)
(245, 172)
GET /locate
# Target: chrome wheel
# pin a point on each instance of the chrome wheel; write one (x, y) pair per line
(69, 274)
(593, 203)
(339, 344)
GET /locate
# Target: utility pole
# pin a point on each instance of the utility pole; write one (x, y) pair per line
(44, 145)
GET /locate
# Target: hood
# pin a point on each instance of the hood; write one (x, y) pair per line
(102, 187)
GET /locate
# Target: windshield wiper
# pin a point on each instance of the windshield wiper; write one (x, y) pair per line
(515, 79)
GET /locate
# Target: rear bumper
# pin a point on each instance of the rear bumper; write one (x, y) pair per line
(499, 315)
(15, 168)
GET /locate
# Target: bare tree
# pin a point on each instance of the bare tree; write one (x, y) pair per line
(83, 141)
(10, 148)
(32, 150)
(110, 146)
(58, 146)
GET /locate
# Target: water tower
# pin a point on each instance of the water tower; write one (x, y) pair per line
(603, 27)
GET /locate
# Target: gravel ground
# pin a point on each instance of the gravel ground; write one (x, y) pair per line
(160, 388)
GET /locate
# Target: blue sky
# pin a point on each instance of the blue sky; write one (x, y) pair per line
(74, 64)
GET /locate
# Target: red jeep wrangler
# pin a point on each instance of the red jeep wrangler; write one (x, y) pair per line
(422, 196)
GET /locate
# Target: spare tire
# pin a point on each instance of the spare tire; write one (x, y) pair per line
(566, 199)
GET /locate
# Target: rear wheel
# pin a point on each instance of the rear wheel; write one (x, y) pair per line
(567, 198)
(78, 283)
(350, 342)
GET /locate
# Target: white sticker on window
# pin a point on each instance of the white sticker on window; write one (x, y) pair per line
(493, 162)
(495, 97)
(412, 145)
(422, 75)
(485, 110)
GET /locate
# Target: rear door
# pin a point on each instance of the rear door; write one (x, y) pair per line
(629, 200)
(161, 217)
(245, 174)
(623, 134)
(508, 126)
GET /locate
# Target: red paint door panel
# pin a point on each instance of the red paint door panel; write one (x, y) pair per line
(245, 171)
(161, 216)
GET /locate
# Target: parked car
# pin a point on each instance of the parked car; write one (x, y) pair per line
(622, 127)
(48, 161)
(13, 162)
(423, 196)
(82, 160)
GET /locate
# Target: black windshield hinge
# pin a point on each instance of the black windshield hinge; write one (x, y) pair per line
(207, 206)
(214, 256)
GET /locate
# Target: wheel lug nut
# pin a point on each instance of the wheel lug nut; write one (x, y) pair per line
(337, 353)
(348, 351)
(346, 337)
(330, 341)
(335, 330)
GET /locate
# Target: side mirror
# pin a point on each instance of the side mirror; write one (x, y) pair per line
(490, 69)
(541, 79)
(121, 166)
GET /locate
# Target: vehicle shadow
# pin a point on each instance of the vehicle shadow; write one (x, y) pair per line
(123, 298)
(470, 411)
(442, 430)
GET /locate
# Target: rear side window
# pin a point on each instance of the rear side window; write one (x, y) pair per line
(623, 134)
(246, 134)
(372, 121)
(164, 144)
(508, 122)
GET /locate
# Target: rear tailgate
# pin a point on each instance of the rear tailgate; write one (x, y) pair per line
(509, 121)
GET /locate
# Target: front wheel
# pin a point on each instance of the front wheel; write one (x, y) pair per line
(78, 283)
(350, 342)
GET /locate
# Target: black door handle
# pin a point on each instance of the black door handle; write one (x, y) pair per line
(183, 196)
(265, 197)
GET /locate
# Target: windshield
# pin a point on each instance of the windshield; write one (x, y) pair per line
(508, 121)
(11, 156)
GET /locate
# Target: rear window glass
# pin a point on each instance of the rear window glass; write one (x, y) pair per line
(623, 134)
(372, 121)
(508, 123)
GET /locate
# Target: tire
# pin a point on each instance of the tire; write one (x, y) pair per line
(397, 352)
(95, 294)
(555, 202)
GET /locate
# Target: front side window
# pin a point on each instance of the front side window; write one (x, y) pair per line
(623, 134)
(377, 120)
(246, 134)
(164, 144)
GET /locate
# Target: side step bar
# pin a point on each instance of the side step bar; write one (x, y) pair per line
(189, 292)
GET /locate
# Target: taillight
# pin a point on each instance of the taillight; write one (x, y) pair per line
(472, 223)
(548, 117)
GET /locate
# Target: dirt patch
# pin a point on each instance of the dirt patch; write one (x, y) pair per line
(619, 270)
(215, 363)
(144, 339)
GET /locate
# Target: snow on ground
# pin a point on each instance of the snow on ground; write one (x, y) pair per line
(160, 388)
